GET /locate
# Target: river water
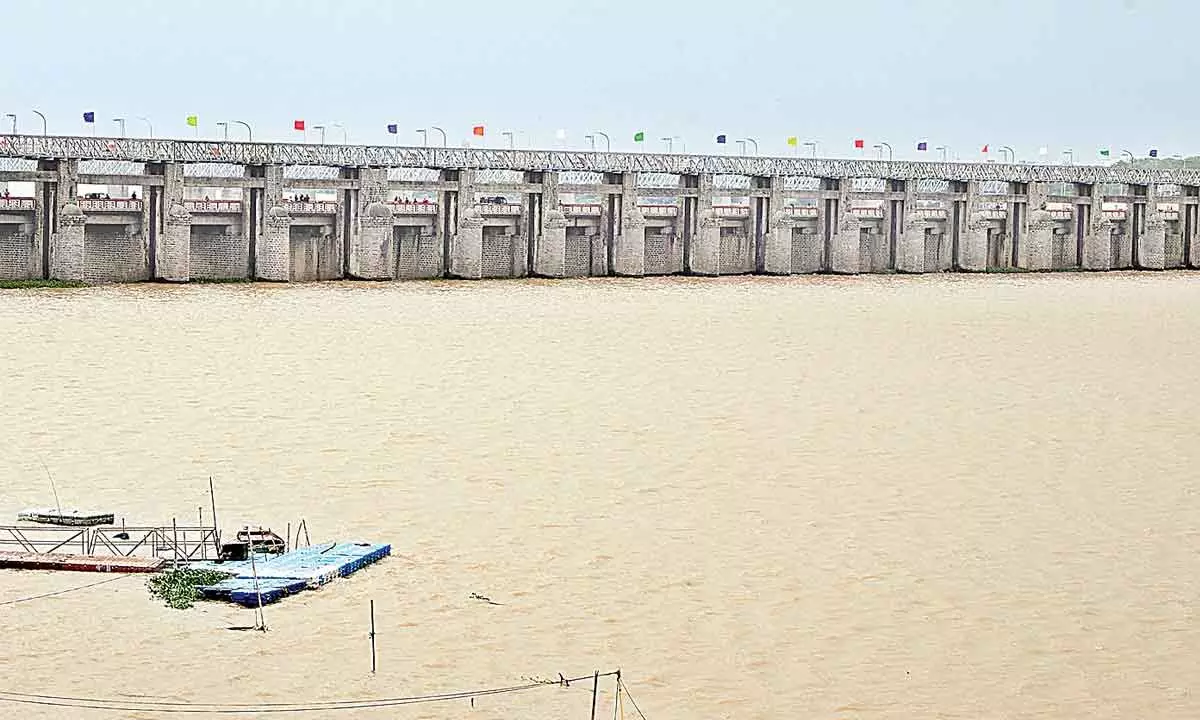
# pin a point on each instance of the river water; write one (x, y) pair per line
(869, 497)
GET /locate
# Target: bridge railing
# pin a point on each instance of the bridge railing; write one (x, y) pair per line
(213, 206)
(108, 205)
(311, 207)
(17, 203)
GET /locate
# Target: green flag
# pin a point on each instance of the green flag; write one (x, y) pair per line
(192, 120)
(1103, 152)
(639, 136)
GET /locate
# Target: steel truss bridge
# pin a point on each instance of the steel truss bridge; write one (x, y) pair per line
(140, 150)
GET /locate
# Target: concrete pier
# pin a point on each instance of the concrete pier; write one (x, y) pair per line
(203, 210)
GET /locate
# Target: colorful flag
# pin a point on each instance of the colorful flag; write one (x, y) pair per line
(720, 139)
(298, 124)
(192, 120)
(639, 136)
(89, 117)
(393, 129)
(1154, 152)
(922, 146)
(984, 149)
(477, 131)
(793, 141)
(1103, 152)
(859, 144)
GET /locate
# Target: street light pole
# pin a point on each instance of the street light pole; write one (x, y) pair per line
(607, 142)
(322, 129)
(43, 117)
(878, 148)
(424, 137)
(443, 132)
(1012, 156)
(13, 116)
(591, 139)
(120, 123)
(345, 135)
(225, 129)
(669, 143)
(742, 145)
(1070, 156)
(943, 149)
(508, 135)
(813, 145)
(148, 125)
(753, 142)
(889, 149)
(1131, 158)
(249, 132)
(682, 144)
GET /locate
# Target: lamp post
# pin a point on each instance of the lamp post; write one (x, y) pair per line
(13, 117)
(443, 132)
(682, 144)
(345, 135)
(742, 145)
(1012, 156)
(249, 132)
(121, 124)
(812, 144)
(224, 130)
(943, 150)
(508, 135)
(670, 144)
(43, 117)
(889, 149)
(878, 148)
(607, 142)
(322, 129)
(1070, 156)
(149, 126)
(753, 142)
(591, 139)
(424, 137)
(1131, 158)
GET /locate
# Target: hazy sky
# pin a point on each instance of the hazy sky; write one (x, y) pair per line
(1074, 74)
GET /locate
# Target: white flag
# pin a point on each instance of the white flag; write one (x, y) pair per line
(560, 135)
(1043, 151)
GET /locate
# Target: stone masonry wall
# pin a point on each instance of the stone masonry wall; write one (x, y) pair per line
(218, 254)
(17, 261)
(114, 253)
(497, 254)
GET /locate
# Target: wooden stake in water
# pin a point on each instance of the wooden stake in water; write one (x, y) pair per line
(595, 692)
(260, 620)
(372, 637)
(216, 530)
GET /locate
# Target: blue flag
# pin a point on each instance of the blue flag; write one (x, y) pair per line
(922, 146)
(1154, 153)
(89, 117)
(720, 139)
(393, 129)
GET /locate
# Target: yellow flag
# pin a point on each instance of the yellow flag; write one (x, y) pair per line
(192, 120)
(793, 141)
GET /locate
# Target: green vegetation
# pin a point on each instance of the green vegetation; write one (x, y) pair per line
(179, 588)
(22, 284)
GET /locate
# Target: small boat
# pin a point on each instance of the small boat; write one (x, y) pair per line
(72, 518)
(263, 541)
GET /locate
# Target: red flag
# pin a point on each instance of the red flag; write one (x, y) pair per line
(478, 130)
(858, 144)
(299, 124)
(985, 148)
